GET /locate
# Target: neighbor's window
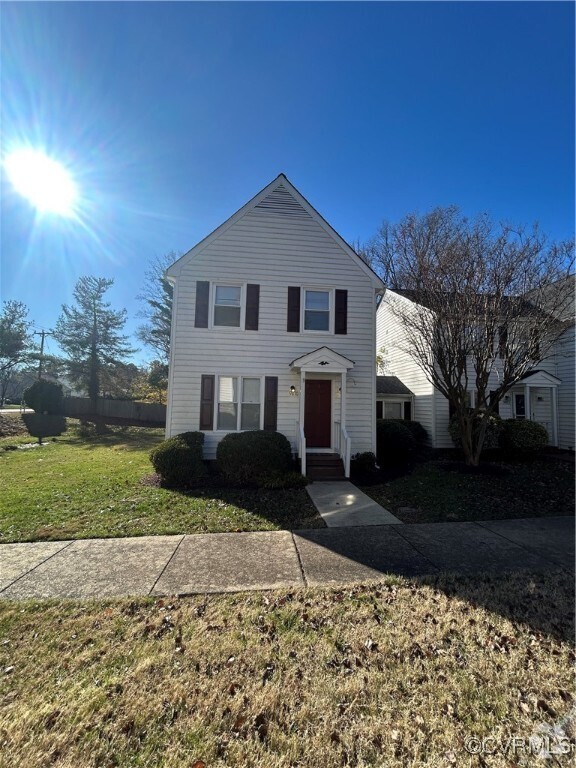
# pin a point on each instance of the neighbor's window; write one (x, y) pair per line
(230, 417)
(316, 310)
(228, 403)
(250, 416)
(227, 305)
(392, 410)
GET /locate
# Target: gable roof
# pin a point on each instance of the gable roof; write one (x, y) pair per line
(518, 304)
(280, 192)
(391, 385)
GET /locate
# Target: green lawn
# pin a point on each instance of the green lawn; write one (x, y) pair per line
(398, 674)
(92, 487)
(88, 487)
(436, 491)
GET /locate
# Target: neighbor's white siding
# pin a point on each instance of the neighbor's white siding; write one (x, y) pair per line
(443, 439)
(565, 363)
(391, 343)
(275, 244)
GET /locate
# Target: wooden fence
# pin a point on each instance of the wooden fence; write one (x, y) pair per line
(116, 411)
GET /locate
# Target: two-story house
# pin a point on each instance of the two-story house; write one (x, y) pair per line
(545, 394)
(274, 328)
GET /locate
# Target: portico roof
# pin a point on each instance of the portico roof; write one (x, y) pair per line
(324, 360)
(539, 378)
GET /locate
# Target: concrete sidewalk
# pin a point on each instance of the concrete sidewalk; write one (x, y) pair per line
(342, 505)
(232, 562)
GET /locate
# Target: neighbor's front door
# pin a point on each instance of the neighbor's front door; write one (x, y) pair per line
(318, 413)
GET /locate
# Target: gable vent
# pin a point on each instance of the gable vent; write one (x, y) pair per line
(281, 202)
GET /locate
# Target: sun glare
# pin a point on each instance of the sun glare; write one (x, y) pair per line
(44, 182)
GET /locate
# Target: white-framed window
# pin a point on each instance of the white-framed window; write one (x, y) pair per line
(239, 403)
(393, 410)
(316, 310)
(227, 305)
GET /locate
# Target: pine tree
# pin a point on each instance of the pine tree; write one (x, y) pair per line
(89, 333)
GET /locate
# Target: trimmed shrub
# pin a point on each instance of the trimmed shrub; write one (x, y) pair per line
(178, 460)
(523, 436)
(364, 463)
(491, 436)
(44, 397)
(394, 442)
(247, 458)
(44, 424)
(416, 429)
(283, 480)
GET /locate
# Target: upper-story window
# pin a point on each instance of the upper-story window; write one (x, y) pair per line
(227, 305)
(316, 310)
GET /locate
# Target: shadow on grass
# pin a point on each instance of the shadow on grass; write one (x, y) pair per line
(484, 555)
(127, 438)
(544, 602)
(288, 509)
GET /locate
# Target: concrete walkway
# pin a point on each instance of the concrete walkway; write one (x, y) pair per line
(342, 505)
(233, 562)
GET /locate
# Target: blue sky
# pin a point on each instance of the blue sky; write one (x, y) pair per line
(172, 115)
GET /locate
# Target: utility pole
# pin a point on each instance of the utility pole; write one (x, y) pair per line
(43, 334)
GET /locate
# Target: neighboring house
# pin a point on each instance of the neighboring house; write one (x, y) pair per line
(393, 399)
(274, 328)
(545, 394)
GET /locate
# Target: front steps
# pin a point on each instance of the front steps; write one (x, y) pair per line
(324, 466)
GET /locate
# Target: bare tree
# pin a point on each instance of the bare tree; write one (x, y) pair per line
(476, 303)
(156, 297)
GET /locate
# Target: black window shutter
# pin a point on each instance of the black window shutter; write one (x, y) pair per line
(379, 414)
(252, 306)
(202, 302)
(293, 309)
(408, 410)
(341, 312)
(207, 402)
(270, 403)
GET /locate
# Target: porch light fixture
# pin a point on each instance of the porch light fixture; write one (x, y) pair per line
(506, 398)
(293, 391)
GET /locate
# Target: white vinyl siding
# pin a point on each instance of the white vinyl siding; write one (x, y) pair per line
(276, 250)
(564, 359)
(392, 338)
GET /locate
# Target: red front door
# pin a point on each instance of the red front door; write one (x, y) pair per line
(318, 413)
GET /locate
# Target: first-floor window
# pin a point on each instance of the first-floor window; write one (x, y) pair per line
(227, 403)
(393, 410)
(239, 403)
(250, 412)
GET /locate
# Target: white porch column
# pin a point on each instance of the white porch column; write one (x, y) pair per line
(343, 399)
(302, 396)
(554, 393)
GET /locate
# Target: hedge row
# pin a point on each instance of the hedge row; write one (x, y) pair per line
(256, 458)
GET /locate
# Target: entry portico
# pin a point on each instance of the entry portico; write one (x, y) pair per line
(322, 412)
(535, 398)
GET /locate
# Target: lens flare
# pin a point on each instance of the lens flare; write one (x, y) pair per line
(44, 182)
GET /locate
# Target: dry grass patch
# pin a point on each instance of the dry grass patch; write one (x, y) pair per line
(396, 674)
